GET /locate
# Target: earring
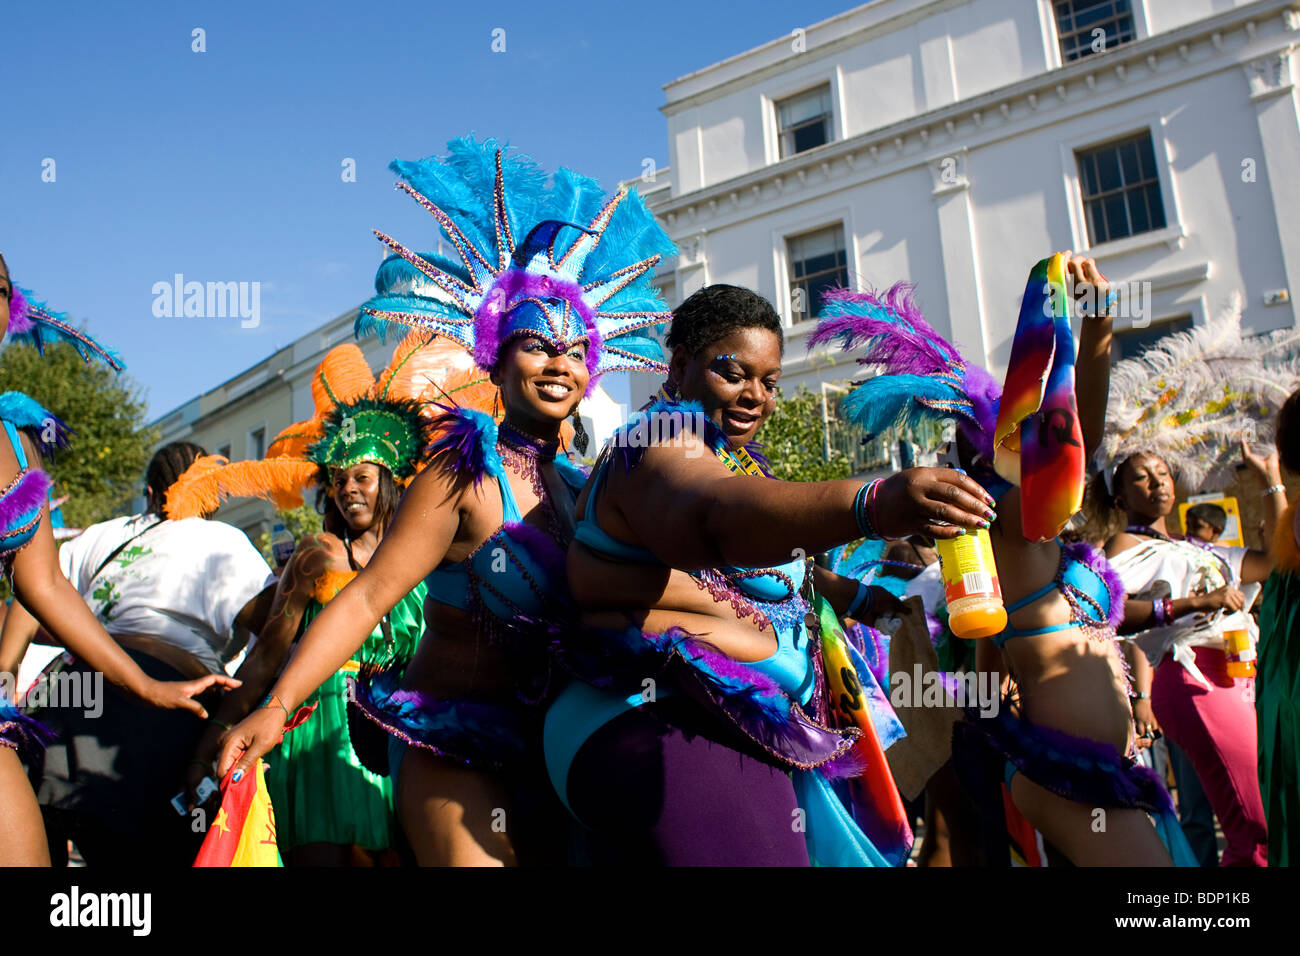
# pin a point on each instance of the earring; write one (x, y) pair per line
(496, 404)
(580, 437)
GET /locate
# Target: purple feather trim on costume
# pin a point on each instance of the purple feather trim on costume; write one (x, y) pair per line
(24, 499)
(1085, 771)
(906, 344)
(469, 438)
(1090, 557)
(984, 394)
(19, 320)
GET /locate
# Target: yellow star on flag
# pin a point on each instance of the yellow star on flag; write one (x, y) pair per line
(220, 823)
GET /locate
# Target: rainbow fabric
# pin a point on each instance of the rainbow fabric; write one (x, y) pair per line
(1038, 440)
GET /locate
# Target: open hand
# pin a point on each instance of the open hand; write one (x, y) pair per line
(939, 502)
(179, 695)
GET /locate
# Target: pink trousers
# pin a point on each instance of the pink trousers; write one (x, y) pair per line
(1217, 730)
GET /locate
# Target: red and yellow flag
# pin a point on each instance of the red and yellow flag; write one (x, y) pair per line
(243, 833)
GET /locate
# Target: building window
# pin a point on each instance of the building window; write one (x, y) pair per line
(1132, 342)
(818, 262)
(224, 451)
(804, 121)
(1078, 23)
(257, 443)
(1121, 190)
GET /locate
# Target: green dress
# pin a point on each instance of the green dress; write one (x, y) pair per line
(1277, 708)
(319, 789)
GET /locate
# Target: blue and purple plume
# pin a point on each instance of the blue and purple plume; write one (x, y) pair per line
(33, 322)
(558, 261)
(922, 376)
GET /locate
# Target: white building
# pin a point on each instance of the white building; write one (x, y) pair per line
(953, 143)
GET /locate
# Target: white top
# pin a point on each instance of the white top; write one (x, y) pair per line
(1155, 569)
(183, 582)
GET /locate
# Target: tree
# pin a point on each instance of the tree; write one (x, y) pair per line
(302, 520)
(794, 440)
(103, 468)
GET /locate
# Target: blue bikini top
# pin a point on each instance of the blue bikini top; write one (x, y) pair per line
(770, 595)
(23, 498)
(518, 572)
(1080, 577)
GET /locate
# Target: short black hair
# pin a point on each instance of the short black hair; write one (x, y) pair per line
(168, 463)
(1208, 514)
(715, 312)
(1288, 433)
(385, 502)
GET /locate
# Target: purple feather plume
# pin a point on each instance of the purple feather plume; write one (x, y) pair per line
(19, 320)
(26, 497)
(468, 439)
(907, 344)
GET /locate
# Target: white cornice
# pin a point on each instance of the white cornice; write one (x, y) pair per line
(1228, 41)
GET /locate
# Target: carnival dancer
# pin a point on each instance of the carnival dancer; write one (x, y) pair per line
(1176, 409)
(676, 746)
(1065, 734)
(28, 555)
(365, 442)
(544, 306)
(1277, 692)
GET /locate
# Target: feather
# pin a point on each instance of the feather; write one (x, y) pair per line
(22, 505)
(342, 377)
(210, 480)
(1190, 396)
(33, 322)
(25, 412)
(466, 443)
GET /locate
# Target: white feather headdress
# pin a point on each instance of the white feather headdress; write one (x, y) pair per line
(1191, 396)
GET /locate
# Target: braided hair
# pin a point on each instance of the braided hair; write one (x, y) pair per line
(168, 464)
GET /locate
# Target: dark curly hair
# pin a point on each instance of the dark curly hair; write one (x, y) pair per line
(716, 311)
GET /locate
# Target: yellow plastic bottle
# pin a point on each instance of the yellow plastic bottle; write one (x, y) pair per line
(970, 584)
(1239, 650)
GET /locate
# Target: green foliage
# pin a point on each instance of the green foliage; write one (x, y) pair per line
(795, 441)
(300, 521)
(103, 469)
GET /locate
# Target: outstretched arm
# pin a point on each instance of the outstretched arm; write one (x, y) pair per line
(422, 530)
(686, 507)
(1092, 366)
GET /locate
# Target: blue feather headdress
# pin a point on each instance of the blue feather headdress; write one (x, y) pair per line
(923, 377)
(32, 322)
(557, 261)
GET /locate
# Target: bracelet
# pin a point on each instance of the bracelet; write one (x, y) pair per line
(865, 525)
(1162, 609)
(871, 503)
(271, 700)
(864, 594)
(1141, 695)
(1272, 490)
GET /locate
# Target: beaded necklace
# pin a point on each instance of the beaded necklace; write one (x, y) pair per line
(524, 455)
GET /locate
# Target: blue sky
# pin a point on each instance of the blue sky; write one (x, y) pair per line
(226, 165)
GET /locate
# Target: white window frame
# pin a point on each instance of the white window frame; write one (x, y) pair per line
(1052, 40)
(841, 216)
(1099, 134)
(248, 440)
(773, 94)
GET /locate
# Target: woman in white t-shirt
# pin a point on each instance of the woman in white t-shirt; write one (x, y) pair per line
(170, 593)
(1175, 588)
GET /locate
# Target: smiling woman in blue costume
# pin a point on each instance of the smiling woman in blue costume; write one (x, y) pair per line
(699, 732)
(551, 287)
(28, 556)
(1063, 740)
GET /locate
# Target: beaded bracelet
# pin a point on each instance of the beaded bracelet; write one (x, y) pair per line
(865, 525)
(1272, 490)
(871, 504)
(864, 594)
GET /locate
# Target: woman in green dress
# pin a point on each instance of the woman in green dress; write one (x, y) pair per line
(365, 442)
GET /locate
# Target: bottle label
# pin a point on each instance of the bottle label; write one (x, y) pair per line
(968, 568)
